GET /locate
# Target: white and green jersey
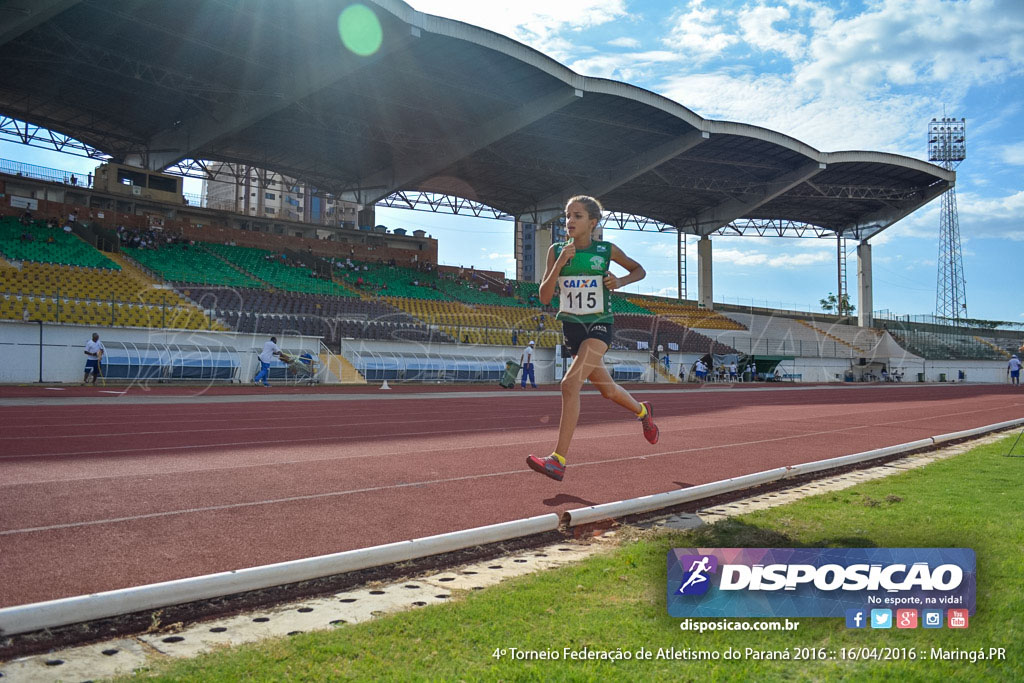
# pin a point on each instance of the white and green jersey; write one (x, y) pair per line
(582, 296)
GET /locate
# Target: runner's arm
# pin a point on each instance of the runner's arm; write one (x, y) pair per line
(635, 274)
(554, 266)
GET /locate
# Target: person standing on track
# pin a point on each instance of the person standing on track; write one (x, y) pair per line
(270, 349)
(579, 267)
(93, 357)
(526, 360)
(1013, 370)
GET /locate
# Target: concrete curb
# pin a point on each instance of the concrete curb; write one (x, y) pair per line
(40, 615)
(597, 513)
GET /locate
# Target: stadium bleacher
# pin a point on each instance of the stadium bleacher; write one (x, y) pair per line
(38, 243)
(188, 264)
(54, 275)
(277, 272)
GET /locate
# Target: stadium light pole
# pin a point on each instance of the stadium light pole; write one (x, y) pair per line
(947, 146)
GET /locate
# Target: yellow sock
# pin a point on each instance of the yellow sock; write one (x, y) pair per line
(559, 458)
(643, 412)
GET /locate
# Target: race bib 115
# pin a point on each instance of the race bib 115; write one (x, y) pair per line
(581, 294)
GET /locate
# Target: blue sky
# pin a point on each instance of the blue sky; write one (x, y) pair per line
(836, 75)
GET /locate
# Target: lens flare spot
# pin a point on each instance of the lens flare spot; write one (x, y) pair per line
(544, 420)
(360, 30)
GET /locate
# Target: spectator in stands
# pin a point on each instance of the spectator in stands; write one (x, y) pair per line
(526, 361)
(270, 349)
(586, 323)
(1013, 370)
(74, 179)
(515, 337)
(94, 351)
(26, 217)
(668, 362)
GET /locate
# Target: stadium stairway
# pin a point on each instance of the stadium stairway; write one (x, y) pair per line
(665, 374)
(998, 349)
(234, 266)
(340, 367)
(833, 337)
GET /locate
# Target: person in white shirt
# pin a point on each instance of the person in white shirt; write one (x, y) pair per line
(701, 370)
(733, 370)
(270, 349)
(526, 360)
(1013, 370)
(93, 357)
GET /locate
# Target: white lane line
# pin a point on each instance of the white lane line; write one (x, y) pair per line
(293, 421)
(272, 501)
(332, 494)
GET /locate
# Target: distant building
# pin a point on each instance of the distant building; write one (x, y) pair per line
(266, 194)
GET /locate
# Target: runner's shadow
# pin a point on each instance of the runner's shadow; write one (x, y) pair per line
(563, 498)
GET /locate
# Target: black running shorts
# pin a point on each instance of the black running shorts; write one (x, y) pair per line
(575, 333)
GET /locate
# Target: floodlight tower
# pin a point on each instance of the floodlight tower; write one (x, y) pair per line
(947, 146)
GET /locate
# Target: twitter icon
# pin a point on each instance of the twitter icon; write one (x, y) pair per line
(881, 618)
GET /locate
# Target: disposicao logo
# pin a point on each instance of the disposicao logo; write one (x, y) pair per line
(818, 582)
(696, 580)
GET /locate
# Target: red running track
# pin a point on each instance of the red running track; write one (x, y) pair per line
(108, 492)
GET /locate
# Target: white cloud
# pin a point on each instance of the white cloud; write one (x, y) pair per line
(537, 23)
(757, 28)
(698, 33)
(991, 217)
(631, 43)
(747, 257)
(1014, 154)
(826, 122)
(628, 67)
(900, 42)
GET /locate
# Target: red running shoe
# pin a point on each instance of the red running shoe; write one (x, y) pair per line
(549, 466)
(650, 429)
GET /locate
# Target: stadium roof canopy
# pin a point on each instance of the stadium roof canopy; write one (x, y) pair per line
(439, 107)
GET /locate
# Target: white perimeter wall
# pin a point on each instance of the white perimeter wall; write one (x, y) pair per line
(63, 348)
(64, 360)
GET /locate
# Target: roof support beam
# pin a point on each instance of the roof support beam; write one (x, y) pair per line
(715, 217)
(873, 223)
(634, 167)
(189, 137)
(388, 181)
(18, 17)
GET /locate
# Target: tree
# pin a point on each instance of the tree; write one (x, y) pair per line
(831, 304)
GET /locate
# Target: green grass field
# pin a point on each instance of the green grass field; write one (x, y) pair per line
(616, 602)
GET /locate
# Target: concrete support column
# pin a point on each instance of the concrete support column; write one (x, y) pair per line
(704, 286)
(865, 304)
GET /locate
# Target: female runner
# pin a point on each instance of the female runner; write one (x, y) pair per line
(579, 267)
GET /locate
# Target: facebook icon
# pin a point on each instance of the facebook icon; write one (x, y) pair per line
(855, 618)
